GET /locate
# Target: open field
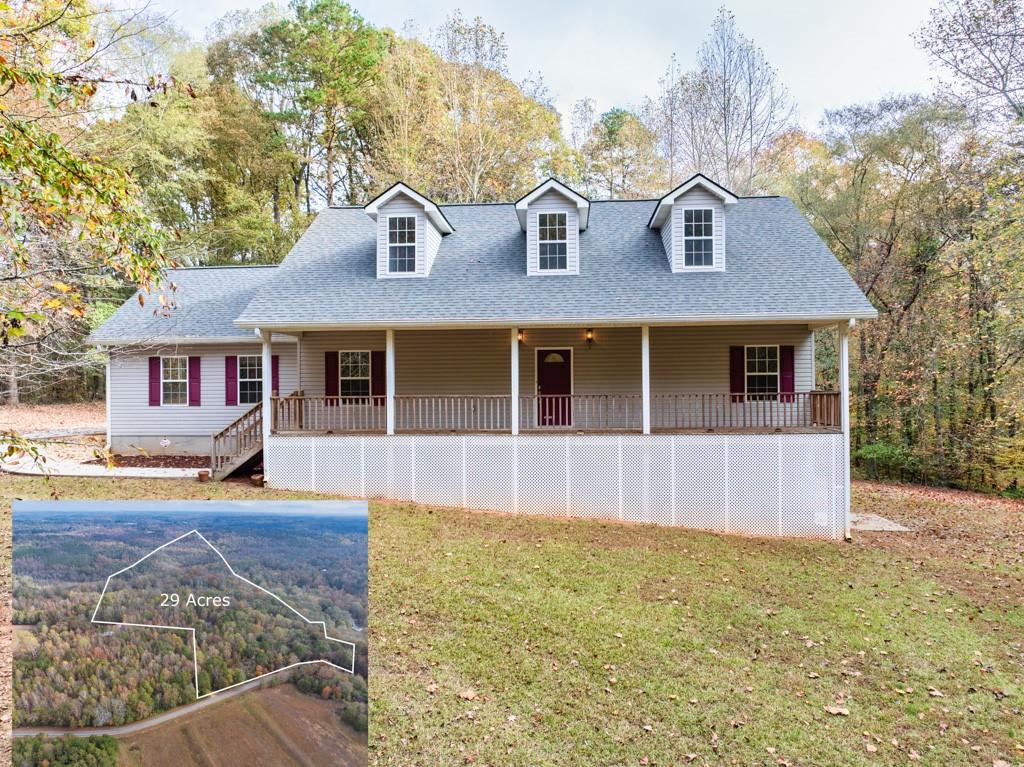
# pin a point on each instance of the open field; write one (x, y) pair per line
(278, 726)
(503, 640)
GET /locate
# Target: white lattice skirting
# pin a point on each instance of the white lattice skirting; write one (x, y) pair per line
(754, 484)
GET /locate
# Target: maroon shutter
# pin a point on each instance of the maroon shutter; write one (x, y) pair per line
(331, 374)
(194, 384)
(737, 374)
(378, 381)
(231, 380)
(154, 382)
(275, 375)
(787, 373)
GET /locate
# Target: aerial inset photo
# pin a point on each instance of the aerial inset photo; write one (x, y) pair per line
(190, 633)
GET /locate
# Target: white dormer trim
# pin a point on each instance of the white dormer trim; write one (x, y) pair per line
(433, 212)
(582, 203)
(664, 206)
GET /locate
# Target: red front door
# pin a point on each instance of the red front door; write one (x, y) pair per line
(554, 387)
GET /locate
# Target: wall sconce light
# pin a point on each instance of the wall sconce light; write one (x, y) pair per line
(590, 337)
(521, 335)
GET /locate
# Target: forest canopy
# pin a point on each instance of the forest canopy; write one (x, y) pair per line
(221, 152)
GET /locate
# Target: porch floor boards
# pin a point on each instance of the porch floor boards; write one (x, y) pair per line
(556, 431)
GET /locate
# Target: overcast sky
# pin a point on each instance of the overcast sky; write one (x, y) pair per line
(829, 54)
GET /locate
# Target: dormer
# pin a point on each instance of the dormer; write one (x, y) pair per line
(553, 215)
(691, 219)
(409, 232)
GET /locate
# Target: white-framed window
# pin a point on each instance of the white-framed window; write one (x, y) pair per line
(762, 372)
(698, 237)
(552, 243)
(354, 375)
(250, 379)
(174, 380)
(401, 244)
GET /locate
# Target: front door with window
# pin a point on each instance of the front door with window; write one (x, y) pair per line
(554, 387)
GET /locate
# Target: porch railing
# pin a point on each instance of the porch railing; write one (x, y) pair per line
(798, 410)
(577, 412)
(237, 439)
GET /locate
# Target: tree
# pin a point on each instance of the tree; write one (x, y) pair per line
(68, 221)
(722, 117)
(619, 159)
(981, 44)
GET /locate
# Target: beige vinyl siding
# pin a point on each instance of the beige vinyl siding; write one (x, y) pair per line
(697, 359)
(610, 366)
(131, 413)
(314, 345)
(683, 359)
(553, 202)
(401, 205)
(697, 198)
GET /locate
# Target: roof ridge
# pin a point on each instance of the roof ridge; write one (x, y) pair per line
(223, 266)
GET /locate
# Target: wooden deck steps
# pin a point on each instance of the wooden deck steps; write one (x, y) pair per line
(237, 443)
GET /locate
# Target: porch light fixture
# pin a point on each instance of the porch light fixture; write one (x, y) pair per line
(590, 337)
(521, 336)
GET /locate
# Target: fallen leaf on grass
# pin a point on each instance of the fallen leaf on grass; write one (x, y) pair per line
(935, 693)
(837, 710)
(432, 688)
(468, 694)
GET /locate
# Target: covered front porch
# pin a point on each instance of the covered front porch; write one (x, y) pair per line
(642, 380)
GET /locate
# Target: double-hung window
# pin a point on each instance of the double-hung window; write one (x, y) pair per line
(174, 380)
(698, 237)
(354, 375)
(401, 244)
(762, 372)
(552, 242)
(250, 379)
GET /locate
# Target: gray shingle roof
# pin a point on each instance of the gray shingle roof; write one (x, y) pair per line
(207, 301)
(776, 268)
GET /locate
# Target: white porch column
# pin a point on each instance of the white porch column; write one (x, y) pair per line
(645, 375)
(844, 414)
(514, 382)
(298, 362)
(389, 378)
(110, 444)
(265, 336)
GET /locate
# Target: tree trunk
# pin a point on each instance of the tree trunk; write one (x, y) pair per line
(13, 396)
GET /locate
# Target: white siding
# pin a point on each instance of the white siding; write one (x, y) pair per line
(428, 239)
(553, 202)
(697, 198)
(666, 241)
(131, 414)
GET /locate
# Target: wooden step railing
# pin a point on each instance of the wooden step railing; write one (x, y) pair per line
(237, 438)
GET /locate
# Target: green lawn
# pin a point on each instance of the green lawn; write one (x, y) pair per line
(503, 640)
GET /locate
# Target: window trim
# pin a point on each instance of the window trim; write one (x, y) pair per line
(717, 264)
(173, 380)
(348, 399)
(415, 245)
(763, 396)
(239, 379)
(541, 269)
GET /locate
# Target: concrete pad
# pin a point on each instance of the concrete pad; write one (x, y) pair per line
(873, 523)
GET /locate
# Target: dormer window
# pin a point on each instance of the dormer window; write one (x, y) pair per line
(409, 232)
(401, 244)
(698, 237)
(691, 220)
(551, 232)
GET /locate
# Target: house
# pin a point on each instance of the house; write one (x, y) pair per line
(648, 360)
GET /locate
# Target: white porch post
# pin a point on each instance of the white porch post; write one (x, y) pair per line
(389, 378)
(645, 375)
(844, 415)
(514, 382)
(265, 336)
(110, 444)
(298, 362)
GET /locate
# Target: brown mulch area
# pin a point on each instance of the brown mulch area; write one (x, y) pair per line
(33, 418)
(158, 461)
